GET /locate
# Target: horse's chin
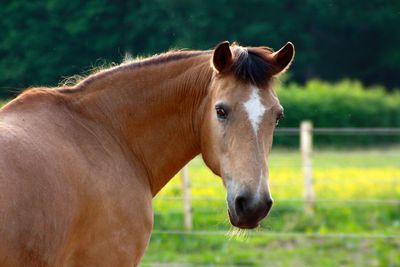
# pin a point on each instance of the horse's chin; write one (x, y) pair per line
(235, 222)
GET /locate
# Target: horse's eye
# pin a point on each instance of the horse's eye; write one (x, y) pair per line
(280, 116)
(221, 112)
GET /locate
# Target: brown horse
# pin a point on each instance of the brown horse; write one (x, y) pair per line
(79, 165)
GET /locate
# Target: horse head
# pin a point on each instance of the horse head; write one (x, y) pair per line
(241, 113)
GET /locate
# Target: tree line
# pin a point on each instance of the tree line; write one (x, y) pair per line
(42, 42)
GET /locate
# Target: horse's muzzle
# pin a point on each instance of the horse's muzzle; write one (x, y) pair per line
(246, 210)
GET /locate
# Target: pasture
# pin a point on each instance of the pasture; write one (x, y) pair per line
(356, 220)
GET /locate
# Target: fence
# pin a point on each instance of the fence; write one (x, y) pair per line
(306, 132)
(190, 208)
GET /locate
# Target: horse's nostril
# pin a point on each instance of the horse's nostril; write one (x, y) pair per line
(248, 207)
(240, 205)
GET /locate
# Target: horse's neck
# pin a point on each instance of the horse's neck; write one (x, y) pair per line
(155, 111)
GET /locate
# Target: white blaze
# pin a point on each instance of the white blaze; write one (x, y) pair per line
(255, 112)
(254, 108)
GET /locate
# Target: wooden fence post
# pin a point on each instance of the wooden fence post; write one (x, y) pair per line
(187, 205)
(306, 129)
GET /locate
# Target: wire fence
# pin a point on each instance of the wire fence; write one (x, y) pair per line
(306, 184)
(344, 131)
(306, 132)
(282, 234)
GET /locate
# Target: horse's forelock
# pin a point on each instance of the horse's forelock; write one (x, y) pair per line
(253, 65)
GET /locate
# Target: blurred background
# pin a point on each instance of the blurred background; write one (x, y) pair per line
(337, 197)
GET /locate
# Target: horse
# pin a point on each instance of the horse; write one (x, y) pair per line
(80, 164)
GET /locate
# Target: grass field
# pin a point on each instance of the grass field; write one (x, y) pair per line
(356, 222)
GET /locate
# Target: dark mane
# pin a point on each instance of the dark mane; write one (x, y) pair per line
(253, 65)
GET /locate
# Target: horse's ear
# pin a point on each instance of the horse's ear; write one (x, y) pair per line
(222, 57)
(283, 58)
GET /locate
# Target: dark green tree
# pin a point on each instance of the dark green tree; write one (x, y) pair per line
(43, 41)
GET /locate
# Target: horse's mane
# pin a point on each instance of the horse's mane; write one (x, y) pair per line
(129, 63)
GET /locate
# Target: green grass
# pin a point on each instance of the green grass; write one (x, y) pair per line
(339, 176)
